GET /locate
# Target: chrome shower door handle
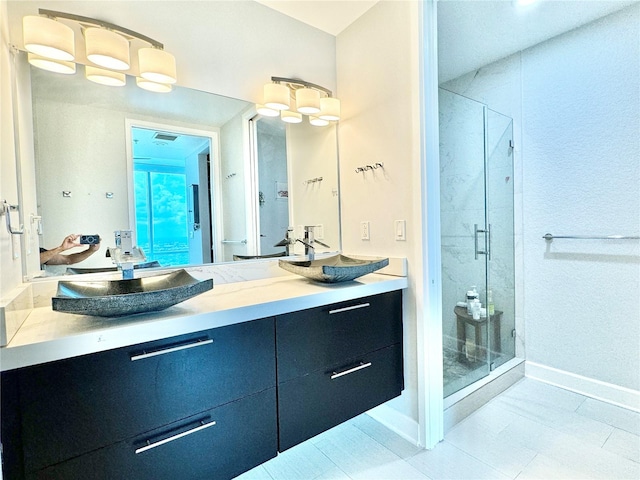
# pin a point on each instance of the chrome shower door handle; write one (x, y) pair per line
(487, 241)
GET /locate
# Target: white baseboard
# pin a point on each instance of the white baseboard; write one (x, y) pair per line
(590, 387)
(395, 421)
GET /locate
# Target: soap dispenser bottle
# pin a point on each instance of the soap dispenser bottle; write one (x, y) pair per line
(472, 296)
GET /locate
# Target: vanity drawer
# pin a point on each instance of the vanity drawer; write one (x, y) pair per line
(78, 405)
(313, 339)
(217, 444)
(313, 403)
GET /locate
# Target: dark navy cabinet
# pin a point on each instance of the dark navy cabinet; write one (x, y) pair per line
(207, 405)
(98, 405)
(336, 362)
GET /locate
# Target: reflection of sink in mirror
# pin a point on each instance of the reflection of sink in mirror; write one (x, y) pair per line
(257, 257)
(77, 271)
(338, 268)
(113, 298)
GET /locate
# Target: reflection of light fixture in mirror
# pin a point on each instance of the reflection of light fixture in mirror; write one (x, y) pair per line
(106, 45)
(290, 117)
(48, 38)
(266, 111)
(106, 48)
(157, 65)
(318, 122)
(310, 99)
(105, 77)
(57, 66)
(153, 86)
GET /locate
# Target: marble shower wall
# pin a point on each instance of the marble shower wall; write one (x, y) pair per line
(462, 149)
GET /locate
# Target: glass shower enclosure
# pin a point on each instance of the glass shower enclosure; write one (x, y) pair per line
(477, 228)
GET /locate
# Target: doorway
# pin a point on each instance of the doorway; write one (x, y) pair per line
(171, 202)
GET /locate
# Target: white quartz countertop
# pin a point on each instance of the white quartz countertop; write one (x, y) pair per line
(47, 335)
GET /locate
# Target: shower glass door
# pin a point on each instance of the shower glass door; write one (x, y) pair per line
(476, 202)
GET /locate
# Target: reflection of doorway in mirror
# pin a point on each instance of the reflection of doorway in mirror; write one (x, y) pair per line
(273, 191)
(172, 195)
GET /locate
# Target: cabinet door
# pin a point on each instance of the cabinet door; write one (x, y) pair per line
(78, 405)
(313, 403)
(313, 339)
(217, 444)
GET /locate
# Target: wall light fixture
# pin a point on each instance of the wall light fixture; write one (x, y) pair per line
(50, 44)
(290, 98)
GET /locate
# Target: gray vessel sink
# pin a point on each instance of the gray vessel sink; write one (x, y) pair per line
(114, 298)
(338, 268)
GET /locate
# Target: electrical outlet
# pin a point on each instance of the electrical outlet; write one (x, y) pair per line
(364, 231)
(318, 232)
(400, 230)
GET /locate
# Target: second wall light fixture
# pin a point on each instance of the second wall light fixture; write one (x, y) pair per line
(50, 45)
(290, 98)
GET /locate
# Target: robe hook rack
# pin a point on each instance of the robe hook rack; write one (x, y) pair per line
(370, 167)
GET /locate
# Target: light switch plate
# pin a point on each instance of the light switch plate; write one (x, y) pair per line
(364, 231)
(401, 230)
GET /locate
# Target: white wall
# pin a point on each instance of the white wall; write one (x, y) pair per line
(378, 77)
(581, 154)
(575, 100)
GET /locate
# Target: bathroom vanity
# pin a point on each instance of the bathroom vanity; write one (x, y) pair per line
(206, 389)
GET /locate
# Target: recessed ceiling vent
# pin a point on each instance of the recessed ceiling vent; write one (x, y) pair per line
(165, 137)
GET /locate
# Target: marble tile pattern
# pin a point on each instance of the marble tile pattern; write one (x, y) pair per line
(531, 431)
(462, 187)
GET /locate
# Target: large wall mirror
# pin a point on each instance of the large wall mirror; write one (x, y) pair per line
(198, 177)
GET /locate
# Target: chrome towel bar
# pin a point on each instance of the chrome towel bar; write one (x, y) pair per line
(548, 236)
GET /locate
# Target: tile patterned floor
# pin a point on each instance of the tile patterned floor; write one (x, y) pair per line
(531, 431)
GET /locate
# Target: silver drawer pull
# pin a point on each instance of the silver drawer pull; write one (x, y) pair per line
(197, 343)
(351, 370)
(149, 446)
(346, 309)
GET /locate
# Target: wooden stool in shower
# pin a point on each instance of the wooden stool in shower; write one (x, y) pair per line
(464, 319)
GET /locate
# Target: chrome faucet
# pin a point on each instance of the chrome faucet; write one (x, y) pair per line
(309, 241)
(287, 241)
(125, 254)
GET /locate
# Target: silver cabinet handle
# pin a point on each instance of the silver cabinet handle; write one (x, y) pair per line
(346, 309)
(351, 370)
(149, 446)
(197, 343)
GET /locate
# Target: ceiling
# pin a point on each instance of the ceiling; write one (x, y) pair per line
(331, 16)
(471, 33)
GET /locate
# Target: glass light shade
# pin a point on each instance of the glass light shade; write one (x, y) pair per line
(157, 65)
(48, 38)
(57, 66)
(308, 101)
(318, 122)
(153, 86)
(329, 109)
(105, 77)
(266, 111)
(106, 48)
(290, 117)
(277, 96)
